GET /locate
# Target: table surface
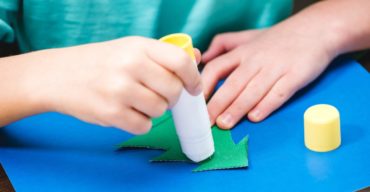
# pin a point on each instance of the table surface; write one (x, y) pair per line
(54, 152)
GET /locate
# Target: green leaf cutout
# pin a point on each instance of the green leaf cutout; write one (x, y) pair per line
(228, 155)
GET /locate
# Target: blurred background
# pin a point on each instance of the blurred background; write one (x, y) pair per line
(362, 57)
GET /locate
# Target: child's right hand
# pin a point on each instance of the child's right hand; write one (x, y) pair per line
(120, 83)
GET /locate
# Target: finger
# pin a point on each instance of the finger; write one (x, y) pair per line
(277, 96)
(218, 69)
(163, 82)
(249, 97)
(216, 48)
(230, 90)
(147, 102)
(131, 121)
(177, 61)
(228, 41)
(198, 55)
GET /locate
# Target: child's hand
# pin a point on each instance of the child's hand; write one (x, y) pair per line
(263, 69)
(120, 83)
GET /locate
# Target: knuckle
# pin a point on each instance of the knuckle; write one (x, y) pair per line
(235, 82)
(219, 38)
(118, 88)
(295, 73)
(211, 70)
(281, 94)
(113, 112)
(239, 107)
(242, 105)
(255, 86)
(131, 62)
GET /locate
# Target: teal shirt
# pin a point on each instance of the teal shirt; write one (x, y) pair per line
(40, 24)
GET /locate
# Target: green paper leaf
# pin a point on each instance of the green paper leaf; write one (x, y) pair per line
(161, 119)
(173, 154)
(163, 136)
(227, 155)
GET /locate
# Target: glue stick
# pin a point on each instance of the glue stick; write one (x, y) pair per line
(190, 113)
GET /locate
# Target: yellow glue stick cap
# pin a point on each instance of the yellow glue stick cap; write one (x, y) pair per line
(322, 128)
(181, 40)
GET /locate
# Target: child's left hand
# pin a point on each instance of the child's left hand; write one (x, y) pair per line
(264, 68)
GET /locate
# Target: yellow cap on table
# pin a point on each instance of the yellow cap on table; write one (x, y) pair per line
(322, 128)
(181, 40)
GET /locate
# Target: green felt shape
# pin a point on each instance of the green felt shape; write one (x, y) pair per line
(173, 154)
(228, 155)
(159, 120)
(161, 136)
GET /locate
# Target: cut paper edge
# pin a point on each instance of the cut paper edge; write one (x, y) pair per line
(244, 164)
(236, 153)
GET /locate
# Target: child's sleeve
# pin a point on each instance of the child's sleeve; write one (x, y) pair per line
(8, 8)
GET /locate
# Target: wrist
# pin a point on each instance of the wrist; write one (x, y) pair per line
(20, 95)
(329, 35)
(35, 81)
(328, 26)
(335, 37)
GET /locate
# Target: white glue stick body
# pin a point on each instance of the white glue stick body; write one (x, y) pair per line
(190, 113)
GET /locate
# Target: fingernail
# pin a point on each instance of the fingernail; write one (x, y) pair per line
(226, 120)
(256, 115)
